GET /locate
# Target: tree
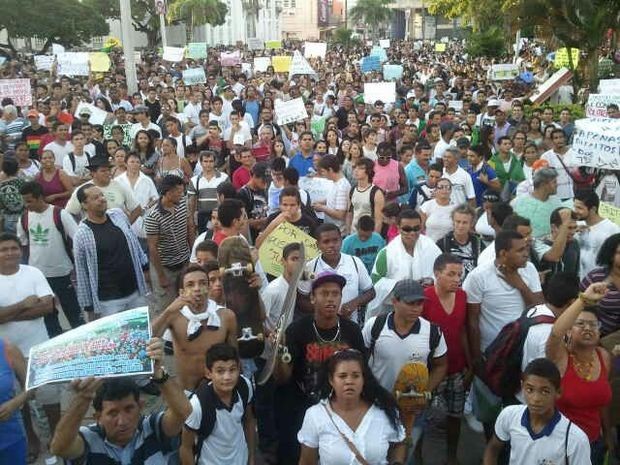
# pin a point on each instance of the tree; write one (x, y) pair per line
(374, 13)
(66, 22)
(197, 12)
(480, 14)
(344, 37)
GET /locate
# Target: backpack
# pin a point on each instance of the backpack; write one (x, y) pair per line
(72, 159)
(308, 210)
(373, 194)
(206, 397)
(503, 357)
(67, 241)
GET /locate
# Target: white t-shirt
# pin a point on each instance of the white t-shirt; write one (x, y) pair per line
(273, 298)
(47, 249)
(550, 446)
(144, 191)
(339, 200)
(318, 188)
(372, 437)
(60, 151)
(117, 195)
(500, 303)
(438, 220)
(440, 148)
(241, 137)
(138, 127)
(15, 288)
(590, 242)
(462, 186)
(483, 227)
(565, 182)
(81, 163)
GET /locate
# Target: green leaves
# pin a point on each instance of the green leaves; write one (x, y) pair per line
(373, 13)
(198, 12)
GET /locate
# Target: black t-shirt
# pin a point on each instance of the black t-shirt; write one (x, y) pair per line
(154, 109)
(33, 138)
(255, 202)
(116, 275)
(308, 352)
(306, 223)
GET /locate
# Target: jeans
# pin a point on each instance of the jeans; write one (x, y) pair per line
(265, 405)
(65, 292)
(289, 412)
(110, 307)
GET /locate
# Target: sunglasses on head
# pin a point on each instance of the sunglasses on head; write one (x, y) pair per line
(409, 229)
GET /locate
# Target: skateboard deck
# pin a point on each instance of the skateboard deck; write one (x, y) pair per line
(236, 266)
(409, 388)
(288, 307)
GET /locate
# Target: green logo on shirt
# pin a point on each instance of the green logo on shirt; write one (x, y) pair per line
(39, 235)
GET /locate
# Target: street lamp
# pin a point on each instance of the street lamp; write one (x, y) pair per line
(126, 35)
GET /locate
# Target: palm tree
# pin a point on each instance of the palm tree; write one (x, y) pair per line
(197, 12)
(374, 13)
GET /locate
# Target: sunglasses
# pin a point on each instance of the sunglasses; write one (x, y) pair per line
(408, 229)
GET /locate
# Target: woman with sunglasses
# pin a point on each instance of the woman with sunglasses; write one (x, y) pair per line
(437, 213)
(356, 419)
(573, 346)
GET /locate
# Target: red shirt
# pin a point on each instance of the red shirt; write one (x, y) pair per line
(218, 237)
(452, 325)
(241, 177)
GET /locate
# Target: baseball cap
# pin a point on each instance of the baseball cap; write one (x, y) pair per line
(328, 277)
(410, 94)
(85, 111)
(32, 114)
(493, 103)
(538, 164)
(408, 290)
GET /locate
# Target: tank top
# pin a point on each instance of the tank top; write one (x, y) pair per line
(581, 400)
(360, 203)
(387, 177)
(178, 171)
(54, 186)
(11, 430)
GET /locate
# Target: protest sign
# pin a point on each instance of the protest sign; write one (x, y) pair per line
(254, 43)
(230, 58)
(318, 126)
(173, 54)
(315, 49)
(597, 104)
(318, 189)
(194, 76)
(197, 50)
(456, 104)
(607, 86)
(504, 72)
(73, 64)
(290, 111)
(43, 62)
(127, 139)
(97, 115)
(17, 89)
(612, 213)
(561, 58)
(273, 44)
(299, 65)
(392, 72)
(57, 49)
(261, 64)
(270, 252)
(384, 91)
(440, 47)
(547, 89)
(99, 62)
(379, 52)
(370, 63)
(384, 43)
(281, 63)
(111, 346)
(596, 143)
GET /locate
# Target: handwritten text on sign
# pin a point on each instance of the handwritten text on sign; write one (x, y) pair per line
(270, 252)
(596, 143)
(16, 89)
(597, 104)
(290, 111)
(610, 212)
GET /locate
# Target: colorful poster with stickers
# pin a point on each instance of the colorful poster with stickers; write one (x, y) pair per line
(127, 139)
(270, 252)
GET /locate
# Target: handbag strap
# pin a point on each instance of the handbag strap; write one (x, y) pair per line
(358, 456)
(570, 175)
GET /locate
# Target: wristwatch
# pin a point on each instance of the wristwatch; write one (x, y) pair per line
(165, 376)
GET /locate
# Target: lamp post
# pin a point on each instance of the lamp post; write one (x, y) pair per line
(130, 59)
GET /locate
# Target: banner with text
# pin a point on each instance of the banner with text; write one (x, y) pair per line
(262, 63)
(72, 64)
(194, 76)
(370, 63)
(504, 72)
(299, 65)
(597, 104)
(561, 58)
(270, 252)
(173, 54)
(609, 86)
(596, 143)
(290, 111)
(392, 72)
(230, 58)
(254, 43)
(281, 63)
(17, 89)
(384, 91)
(315, 49)
(44, 62)
(196, 50)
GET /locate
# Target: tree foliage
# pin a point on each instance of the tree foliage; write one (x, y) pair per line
(198, 12)
(480, 14)
(486, 43)
(344, 37)
(374, 13)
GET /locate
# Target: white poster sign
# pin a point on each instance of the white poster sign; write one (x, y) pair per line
(300, 65)
(97, 115)
(44, 62)
(384, 91)
(596, 143)
(290, 111)
(597, 104)
(230, 58)
(57, 49)
(73, 64)
(254, 43)
(315, 49)
(384, 43)
(261, 64)
(173, 54)
(17, 89)
(609, 86)
(456, 104)
(194, 76)
(504, 72)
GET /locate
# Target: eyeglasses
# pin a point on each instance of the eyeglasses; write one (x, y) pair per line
(583, 324)
(408, 229)
(444, 188)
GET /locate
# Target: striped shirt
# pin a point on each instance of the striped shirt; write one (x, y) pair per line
(171, 227)
(607, 312)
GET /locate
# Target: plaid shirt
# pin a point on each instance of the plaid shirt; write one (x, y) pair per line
(86, 266)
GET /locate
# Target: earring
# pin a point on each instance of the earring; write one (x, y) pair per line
(331, 394)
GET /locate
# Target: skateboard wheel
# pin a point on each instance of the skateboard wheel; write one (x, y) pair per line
(398, 394)
(260, 337)
(286, 357)
(249, 267)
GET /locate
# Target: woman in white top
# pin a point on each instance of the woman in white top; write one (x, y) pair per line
(356, 418)
(436, 213)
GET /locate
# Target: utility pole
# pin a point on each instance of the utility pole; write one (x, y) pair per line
(130, 59)
(162, 30)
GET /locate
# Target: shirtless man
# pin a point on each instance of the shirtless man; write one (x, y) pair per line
(196, 323)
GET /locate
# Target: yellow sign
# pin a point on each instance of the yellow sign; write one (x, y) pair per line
(440, 47)
(99, 62)
(281, 63)
(270, 252)
(561, 58)
(273, 44)
(607, 210)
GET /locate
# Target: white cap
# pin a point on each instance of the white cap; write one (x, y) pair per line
(493, 103)
(410, 94)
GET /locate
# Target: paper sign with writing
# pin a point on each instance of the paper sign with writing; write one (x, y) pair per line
(173, 54)
(290, 111)
(597, 104)
(561, 57)
(300, 65)
(456, 104)
(194, 76)
(315, 49)
(609, 86)
(99, 62)
(111, 346)
(44, 62)
(273, 44)
(57, 49)
(254, 43)
(262, 63)
(17, 89)
(97, 115)
(230, 58)
(384, 43)
(281, 63)
(197, 50)
(596, 143)
(379, 52)
(370, 63)
(612, 213)
(270, 252)
(384, 91)
(73, 64)
(440, 47)
(504, 72)
(392, 72)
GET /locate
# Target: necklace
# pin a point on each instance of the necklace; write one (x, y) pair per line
(583, 369)
(324, 341)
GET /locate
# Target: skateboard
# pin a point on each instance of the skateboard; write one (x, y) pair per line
(410, 392)
(288, 307)
(236, 266)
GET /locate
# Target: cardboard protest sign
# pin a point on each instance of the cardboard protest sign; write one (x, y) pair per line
(273, 44)
(254, 43)
(299, 65)
(17, 89)
(440, 47)
(127, 139)
(44, 62)
(99, 62)
(504, 72)
(607, 86)
(370, 63)
(597, 104)
(270, 252)
(261, 64)
(596, 143)
(551, 85)
(290, 111)
(281, 63)
(230, 58)
(57, 49)
(196, 50)
(384, 91)
(612, 213)
(561, 58)
(194, 76)
(111, 346)
(384, 43)
(73, 64)
(173, 54)
(97, 115)
(379, 52)
(315, 49)
(456, 104)
(392, 72)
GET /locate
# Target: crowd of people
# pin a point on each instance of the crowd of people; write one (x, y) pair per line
(444, 218)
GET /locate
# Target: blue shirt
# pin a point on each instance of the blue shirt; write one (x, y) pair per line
(252, 107)
(415, 175)
(301, 163)
(479, 186)
(10, 430)
(366, 251)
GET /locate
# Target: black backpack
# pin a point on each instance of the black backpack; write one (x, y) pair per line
(72, 159)
(373, 194)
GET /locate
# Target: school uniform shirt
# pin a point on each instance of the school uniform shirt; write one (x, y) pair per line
(392, 350)
(226, 443)
(372, 438)
(552, 445)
